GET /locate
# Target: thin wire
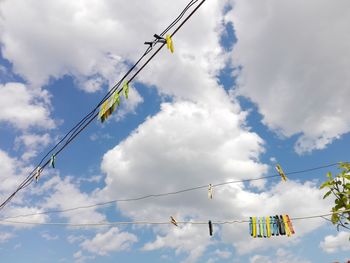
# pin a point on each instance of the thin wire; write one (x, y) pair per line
(157, 223)
(84, 122)
(168, 193)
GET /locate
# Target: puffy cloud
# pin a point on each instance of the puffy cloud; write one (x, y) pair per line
(110, 241)
(294, 63)
(337, 243)
(281, 256)
(32, 142)
(5, 236)
(49, 237)
(23, 107)
(64, 194)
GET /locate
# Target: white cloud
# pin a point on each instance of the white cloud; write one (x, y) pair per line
(223, 253)
(64, 194)
(31, 143)
(5, 236)
(23, 107)
(337, 243)
(110, 241)
(281, 256)
(48, 236)
(295, 60)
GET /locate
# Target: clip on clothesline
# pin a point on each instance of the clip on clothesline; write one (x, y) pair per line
(281, 172)
(167, 40)
(270, 226)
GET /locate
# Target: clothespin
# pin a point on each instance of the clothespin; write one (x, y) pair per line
(281, 173)
(173, 221)
(210, 228)
(210, 191)
(268, 227)
(126, 89)
(286, 226)
(37, 173)
(52, 160)
(276, 226)
(169, 43)
(116, 98)
(281, 225)
(103, 110)
(290, 224)
(261, 227)
(254, 224)
(263, 222)
(272, 225)
(251, 226)
(167, 40)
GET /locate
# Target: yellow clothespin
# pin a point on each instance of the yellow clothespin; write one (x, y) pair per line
(210, 191)
(285, 221)
(281, 173)
(173, 221)
(37, 174)
(268, 229)
(103, 110)
(126, 89)
(254, 225)
(169, 43)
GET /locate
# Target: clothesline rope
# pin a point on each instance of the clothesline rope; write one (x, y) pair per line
(169, 193)
(7, 222)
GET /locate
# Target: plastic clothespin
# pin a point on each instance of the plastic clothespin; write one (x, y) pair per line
(53, 160)
(261, 227)
(281, 173)
(281, 225)
(169, 43)
(210, 191)
(286, 226)
(173, 221)
(210, 228)
(290, 225)
(251, 226)
(167, 40)
(268, 227)
(254, 226)
(276, 225)
(126, 89)
(264, 227)
(37, 173)
(103, 110)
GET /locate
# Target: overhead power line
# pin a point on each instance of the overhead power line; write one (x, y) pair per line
(224, 222)
(169, 193)
(85, 121)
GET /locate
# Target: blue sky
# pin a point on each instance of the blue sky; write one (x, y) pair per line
(250, 84)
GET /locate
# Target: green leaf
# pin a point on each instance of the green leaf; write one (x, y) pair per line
(327, 194)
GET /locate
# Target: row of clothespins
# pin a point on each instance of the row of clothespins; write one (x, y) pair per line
(270, 226)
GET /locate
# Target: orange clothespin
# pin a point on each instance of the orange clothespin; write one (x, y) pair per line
(210, 191)
(173, 221)
(281, 173)
(290, 224)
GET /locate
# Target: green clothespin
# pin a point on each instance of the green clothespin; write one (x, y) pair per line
(281, 173)
(126, 89)
(52, 160)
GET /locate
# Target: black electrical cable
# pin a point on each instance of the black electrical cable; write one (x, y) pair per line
(84, 122)
(168, 193)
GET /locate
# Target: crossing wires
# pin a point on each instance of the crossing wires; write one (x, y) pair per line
(87, 119)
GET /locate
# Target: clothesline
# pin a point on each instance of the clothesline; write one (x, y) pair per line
(98, 224)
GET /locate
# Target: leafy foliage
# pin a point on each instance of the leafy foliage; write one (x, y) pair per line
(339, 187)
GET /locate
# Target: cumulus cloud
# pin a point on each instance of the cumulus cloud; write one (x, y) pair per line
(337, 243)
(5, 236)
(109, 241)
(64, 194)
(281, 256)
(32, 143)
(294, 62)
(23, 107)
